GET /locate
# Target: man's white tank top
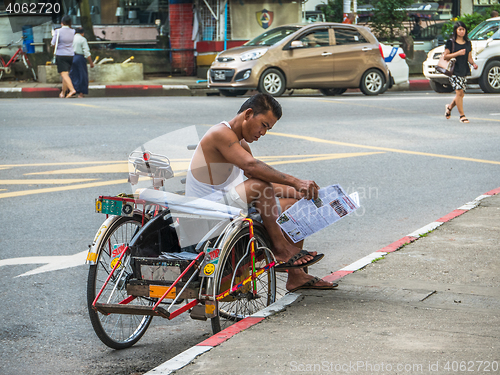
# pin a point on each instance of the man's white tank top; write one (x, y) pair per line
(198, 189)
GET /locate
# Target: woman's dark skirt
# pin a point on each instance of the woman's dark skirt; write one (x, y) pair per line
(64, 63)
(79, 74)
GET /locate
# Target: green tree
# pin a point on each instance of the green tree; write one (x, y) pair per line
(388, 18)
(86, 20)
(470, 20)
(333, 10)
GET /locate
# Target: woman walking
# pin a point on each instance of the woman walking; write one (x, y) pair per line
(460, 48)
(63, 42)
(79, 73)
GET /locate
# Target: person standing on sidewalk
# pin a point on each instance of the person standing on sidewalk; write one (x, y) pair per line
(79, 73)
(63, 37)
(460, 48)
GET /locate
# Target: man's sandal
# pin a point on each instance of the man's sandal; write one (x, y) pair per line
(464, 119)
(283, 266)
(311, 284)
(447, 112)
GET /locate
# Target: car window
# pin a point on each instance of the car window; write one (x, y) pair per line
(348, 36)
(484, 30)
(315, 38)
(272, 36)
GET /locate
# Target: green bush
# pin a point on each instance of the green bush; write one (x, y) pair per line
(470, 20)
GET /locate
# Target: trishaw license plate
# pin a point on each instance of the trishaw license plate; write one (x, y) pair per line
(111, 207)
(114, 207)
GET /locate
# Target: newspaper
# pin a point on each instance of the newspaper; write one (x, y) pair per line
(309, 216)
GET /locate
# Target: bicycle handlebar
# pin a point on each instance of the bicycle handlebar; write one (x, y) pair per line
(12, 42)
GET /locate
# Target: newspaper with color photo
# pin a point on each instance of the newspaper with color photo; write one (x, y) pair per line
(309, 216)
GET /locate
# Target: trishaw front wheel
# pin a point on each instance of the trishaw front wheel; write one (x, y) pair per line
(118, 331)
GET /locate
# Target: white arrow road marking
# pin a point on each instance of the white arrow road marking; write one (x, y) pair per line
(52, 263)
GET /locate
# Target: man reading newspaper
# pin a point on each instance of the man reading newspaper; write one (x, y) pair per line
(217, 169)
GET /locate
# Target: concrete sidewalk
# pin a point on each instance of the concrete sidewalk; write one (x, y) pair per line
(431, 307)
(150, 86)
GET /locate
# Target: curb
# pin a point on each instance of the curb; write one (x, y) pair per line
(108, 91)
(153, 90)
(185, 358)
(420, 85)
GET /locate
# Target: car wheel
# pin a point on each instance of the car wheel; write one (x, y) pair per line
(232, 92)
(490, 79)
(332, 92)
(388, 84)
(439, 87)
(272, 82)
(372, 82)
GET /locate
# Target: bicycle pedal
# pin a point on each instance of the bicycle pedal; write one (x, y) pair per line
(198, 312)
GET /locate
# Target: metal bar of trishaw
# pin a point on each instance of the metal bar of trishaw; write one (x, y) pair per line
(177, 280)
(109, 276)
(248, 279)
(252, 251)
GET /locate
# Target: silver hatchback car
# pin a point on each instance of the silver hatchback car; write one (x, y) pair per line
(331, 57)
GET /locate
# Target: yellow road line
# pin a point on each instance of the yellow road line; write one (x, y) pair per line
(110, 168)
(61, 188)
(46, 182)
(56, 164)
(333, 156)
(86, 105)
(319, 140)
(484, 119)
(6, 166)
(271, 157)
(119, 110)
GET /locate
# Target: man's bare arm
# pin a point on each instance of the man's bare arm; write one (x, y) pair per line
(229, 146)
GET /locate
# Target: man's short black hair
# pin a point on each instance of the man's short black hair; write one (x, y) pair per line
(261, 103)
(79, 30)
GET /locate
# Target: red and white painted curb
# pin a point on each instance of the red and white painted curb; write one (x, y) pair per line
(189, 355)
(100, 90)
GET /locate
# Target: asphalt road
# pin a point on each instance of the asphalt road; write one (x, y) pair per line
(409, 165)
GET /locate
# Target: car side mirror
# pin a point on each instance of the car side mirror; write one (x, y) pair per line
(297, 44)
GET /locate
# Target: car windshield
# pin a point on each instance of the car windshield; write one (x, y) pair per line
(485, 30)
(272, 36)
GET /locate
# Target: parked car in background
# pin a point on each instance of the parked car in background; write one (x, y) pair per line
(395, 59)
(485, 39)
(331, 57)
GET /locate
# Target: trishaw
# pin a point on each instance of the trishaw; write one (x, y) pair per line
(140, 269)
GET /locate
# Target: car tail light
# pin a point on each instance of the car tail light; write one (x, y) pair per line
(381, 51)
(402, 55)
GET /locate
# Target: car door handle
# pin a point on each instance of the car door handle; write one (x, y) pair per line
(326, 54)
(366, 49)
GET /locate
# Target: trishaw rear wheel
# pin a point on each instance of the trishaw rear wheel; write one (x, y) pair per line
(234, 267)
(118, 331)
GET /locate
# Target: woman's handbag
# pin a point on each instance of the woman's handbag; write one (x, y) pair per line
(55, 48)
(446, 66)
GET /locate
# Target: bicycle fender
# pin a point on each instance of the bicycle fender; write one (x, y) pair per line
(96, 244)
